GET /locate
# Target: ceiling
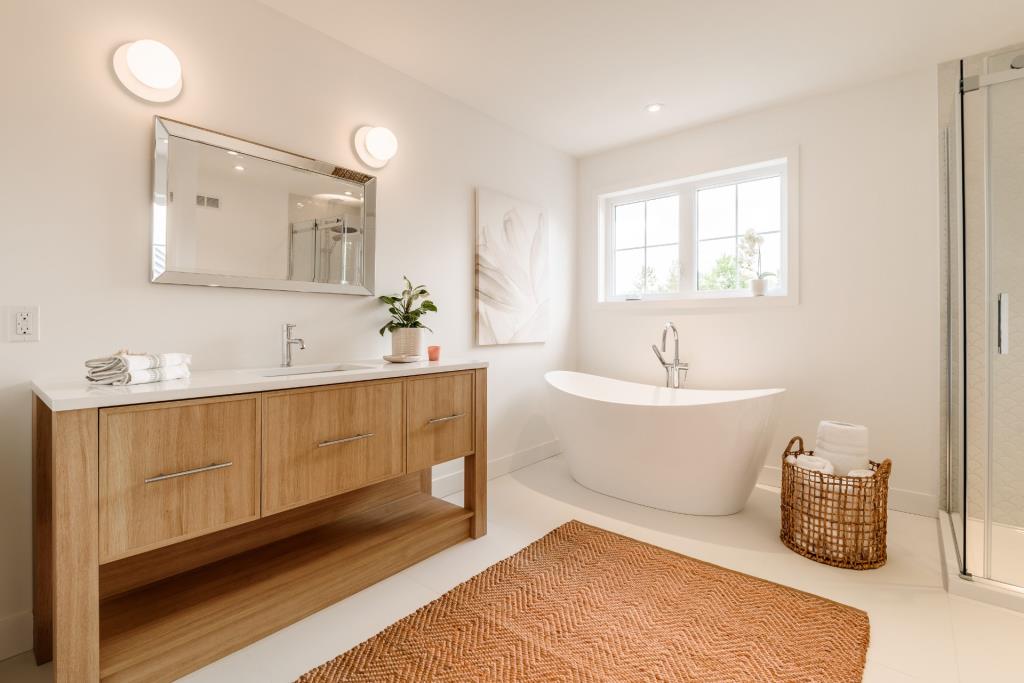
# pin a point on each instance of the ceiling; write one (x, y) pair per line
(577, 74)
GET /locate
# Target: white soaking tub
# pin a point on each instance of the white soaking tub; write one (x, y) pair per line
(694, 451)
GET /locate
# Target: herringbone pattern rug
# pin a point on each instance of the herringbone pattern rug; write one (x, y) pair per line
(584, 604)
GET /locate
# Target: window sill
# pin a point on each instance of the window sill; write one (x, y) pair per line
(737, 301)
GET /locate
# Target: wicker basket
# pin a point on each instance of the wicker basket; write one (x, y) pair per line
(840, 521)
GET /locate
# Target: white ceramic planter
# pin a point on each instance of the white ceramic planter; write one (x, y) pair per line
(759, 286)
(407, 341)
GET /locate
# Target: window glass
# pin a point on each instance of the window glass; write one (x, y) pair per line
(629, 266)
(663, 221)
(760, 203)
(716, 212)
(629, 225)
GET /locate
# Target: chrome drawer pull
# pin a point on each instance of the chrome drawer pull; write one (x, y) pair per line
(185, 473)
(445, 419)
(347, 439)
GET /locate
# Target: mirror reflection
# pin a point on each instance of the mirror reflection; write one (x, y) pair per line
(234, 217)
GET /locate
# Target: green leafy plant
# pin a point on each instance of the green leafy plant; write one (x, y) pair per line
(404, 310)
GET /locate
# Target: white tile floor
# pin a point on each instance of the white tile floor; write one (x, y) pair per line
(918, 632)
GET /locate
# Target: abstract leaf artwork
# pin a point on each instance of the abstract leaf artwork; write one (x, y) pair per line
(511, 270)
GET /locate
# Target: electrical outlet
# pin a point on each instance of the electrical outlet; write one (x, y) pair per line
(23, 323)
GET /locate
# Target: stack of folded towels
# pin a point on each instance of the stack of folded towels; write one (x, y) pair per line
(841, 449)
(138, 368)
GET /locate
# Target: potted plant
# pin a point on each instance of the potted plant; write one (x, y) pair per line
(405, 325)
(751, 246)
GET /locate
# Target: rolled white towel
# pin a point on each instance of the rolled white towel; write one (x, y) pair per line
(831, 447)
(843, 462)
(843, 434)
(146, 376)
(123, 361)
(815, 464)
(861, 473)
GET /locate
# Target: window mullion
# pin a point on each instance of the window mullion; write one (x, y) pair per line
(643, 276)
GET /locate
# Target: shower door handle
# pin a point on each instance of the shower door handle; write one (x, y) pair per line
(1003, 323)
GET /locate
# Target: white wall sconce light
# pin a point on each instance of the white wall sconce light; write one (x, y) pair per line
(375, 145)
(149, 70)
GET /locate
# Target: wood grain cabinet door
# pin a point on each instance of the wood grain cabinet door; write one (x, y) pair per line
(172, 471)
(321, 442)
(440, 420)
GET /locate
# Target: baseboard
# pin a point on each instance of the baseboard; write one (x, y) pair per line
(901, 500)
(15, 634)
(452, 482)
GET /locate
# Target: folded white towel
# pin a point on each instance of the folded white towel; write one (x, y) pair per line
(145, 376)
(843, 462)
(861, 473)
(814, 463)
(123, 361)
(843, 434)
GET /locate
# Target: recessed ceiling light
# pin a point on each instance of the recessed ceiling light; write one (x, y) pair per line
(232, 152)
(299, 204)
(348, 193)
(654, 107)
(239, 168)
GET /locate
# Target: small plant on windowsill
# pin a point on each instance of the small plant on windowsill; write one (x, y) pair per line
(406, 326)
(750, 245)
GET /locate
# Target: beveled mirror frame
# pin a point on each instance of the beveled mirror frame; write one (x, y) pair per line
(164, 129)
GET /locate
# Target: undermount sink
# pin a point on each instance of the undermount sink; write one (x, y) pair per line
(310, 369)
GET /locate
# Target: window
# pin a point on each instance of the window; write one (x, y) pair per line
(699, 238)
(739, 233)
(646, 243)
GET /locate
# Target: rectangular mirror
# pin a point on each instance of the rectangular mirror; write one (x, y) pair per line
(231, 213)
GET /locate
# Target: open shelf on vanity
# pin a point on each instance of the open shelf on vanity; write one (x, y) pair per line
(168, 628)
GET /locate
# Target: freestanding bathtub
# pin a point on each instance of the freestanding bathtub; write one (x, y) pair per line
(684, 450)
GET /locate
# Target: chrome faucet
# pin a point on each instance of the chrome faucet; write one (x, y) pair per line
(286, 344)
(671, 369)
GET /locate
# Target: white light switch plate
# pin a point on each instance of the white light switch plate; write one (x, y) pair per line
(23, 323)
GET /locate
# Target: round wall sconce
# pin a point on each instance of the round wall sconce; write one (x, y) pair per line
(148, 69)
(376, 145)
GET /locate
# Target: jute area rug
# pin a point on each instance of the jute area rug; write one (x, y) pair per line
(585, 604)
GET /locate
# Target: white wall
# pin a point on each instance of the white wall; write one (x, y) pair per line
(863, 342)
(74, 213)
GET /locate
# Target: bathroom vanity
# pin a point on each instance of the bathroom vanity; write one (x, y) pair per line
(177, 522)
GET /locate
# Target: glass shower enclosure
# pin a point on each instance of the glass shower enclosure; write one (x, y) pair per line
(981, 111)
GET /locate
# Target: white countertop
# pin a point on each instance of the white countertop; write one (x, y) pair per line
(76, 394)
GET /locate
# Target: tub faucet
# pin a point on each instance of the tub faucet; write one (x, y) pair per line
(287, 343)
(671, 369)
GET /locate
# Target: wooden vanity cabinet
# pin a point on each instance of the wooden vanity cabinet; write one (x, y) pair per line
(167, 535)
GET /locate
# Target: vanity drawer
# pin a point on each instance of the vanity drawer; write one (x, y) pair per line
(171, 471)
(440, 421)
(321, 442)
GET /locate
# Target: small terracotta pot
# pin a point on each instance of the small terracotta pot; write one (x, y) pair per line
(433, 353)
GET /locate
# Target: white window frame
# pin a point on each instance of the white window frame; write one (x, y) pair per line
(785, 289)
